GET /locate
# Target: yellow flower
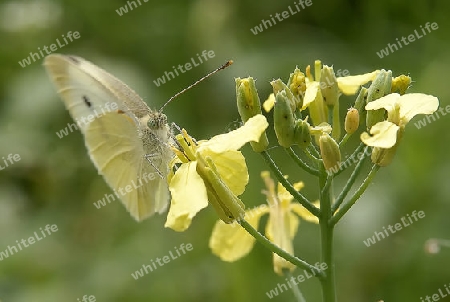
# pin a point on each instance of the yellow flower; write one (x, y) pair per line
(401, 109)
(191, 188)
(231, 242)
(348, 85)
(325, 86)
(386, 135)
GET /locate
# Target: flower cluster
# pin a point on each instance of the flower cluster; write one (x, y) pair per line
(306, 115)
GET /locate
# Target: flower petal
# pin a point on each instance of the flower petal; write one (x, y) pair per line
(233, 140)
(281, 229)
(303, 213)
(384, 135)
(269, 103)
(232, 169)
(350, 85)
(321, 129)
(312, 88)
(412, 104)
(284, 196)
(292, 221)
(188, 197)
(230, 241)
(387, 102)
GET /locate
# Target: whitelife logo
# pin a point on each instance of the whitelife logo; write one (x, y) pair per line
(124, 9)
(110, 107)
(53, 47)
(411, 38)
(265, 24)
(182, 250)
(123, 191)
(429, 118)
(11, 158)
(294, 281)
(398, 227)
(11, 250)
(169, 75)
(438, 296)
(85, 298)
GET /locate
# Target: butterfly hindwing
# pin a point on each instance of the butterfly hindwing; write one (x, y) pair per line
(119, 155)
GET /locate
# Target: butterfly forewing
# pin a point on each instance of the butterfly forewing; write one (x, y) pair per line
(132, 157)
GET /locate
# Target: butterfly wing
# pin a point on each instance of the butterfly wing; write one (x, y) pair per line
(119, 155)
(89, 91)
(113, 119)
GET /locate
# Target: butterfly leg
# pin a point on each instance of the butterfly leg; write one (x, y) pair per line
(147, 157)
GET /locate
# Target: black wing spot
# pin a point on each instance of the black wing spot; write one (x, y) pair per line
(86, 101)
(74, 59)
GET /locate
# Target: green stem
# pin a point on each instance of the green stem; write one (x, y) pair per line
(280, 252)
(295, 290)
(301, 163)
(349, 183)
(312, 151)
(350, 160)
(344, 140)
(326, 236)
(297, 195)
(347, 205)
(330, 115)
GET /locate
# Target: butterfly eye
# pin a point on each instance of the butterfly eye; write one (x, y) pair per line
(157, 121)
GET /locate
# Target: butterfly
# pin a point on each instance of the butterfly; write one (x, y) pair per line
(127, 141)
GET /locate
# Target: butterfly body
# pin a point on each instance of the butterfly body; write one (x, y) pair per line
(126, 140)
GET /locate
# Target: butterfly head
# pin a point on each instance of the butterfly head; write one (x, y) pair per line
(157, 120)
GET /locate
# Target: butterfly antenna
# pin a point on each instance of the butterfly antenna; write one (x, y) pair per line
(228, 63)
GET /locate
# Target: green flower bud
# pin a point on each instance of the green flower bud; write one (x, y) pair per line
(383, 157)
(248, 102)
(249, 105)
(227, 205)
(283, 119)
(302, 135)
(351, 120)
(329, 86)
(380, 87)
(361, 100)
(329, 150)
(279, 86)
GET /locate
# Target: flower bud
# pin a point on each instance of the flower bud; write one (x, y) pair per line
(351, 120)
(283, 120)
(279, 86)
(361, 99)
(302, 135)
(329, 86)
(329, 150)
(297, 85)
(249, 105)
(380, 87)
(400, 84)
(248, 102)
(227, 205)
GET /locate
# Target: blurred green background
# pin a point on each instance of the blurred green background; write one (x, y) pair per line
(95, 251)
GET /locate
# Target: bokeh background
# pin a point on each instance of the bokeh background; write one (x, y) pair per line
(95, 250)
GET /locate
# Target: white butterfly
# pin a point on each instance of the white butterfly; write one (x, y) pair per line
(126, 140)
